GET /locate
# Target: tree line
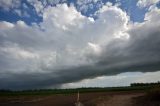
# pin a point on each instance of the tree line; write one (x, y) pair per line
(145, 84)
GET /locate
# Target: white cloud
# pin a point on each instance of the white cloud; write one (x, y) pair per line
(55, 1)
(14, 7)
(85, 5)
(146, 3)
(40, 5)
(153, 15)
(37, 5)
(54, 16)
(9, 4)
(64, 32)
(95, 48)
(6, 25)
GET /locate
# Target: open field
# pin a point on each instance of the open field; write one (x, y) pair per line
(89, 97)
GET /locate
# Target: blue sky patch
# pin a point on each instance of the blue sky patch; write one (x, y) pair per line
(28, 14)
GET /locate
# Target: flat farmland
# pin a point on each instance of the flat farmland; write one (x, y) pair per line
(121, 98)
(114, 96)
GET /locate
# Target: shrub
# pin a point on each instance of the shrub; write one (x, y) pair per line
(154, 94)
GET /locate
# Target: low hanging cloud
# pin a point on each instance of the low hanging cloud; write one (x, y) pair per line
(123, 79)
(67, 47)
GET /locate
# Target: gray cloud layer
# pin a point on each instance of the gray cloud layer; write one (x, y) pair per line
(68, 47)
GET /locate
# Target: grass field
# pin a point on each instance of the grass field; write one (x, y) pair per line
(71, 91)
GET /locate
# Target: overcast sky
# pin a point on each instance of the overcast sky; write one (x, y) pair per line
(78, 43)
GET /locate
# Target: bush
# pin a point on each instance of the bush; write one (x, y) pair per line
(154, 94)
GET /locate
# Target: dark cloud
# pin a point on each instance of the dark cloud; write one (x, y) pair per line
(29, 60)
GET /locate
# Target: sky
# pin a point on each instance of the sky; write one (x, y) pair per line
(78, 43)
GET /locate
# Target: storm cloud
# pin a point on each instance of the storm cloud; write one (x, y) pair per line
(68, 47)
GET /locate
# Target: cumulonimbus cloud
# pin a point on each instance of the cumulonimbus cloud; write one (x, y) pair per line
(68, 47)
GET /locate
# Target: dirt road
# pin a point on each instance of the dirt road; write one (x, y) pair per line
(120, 100)
(88, 99)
